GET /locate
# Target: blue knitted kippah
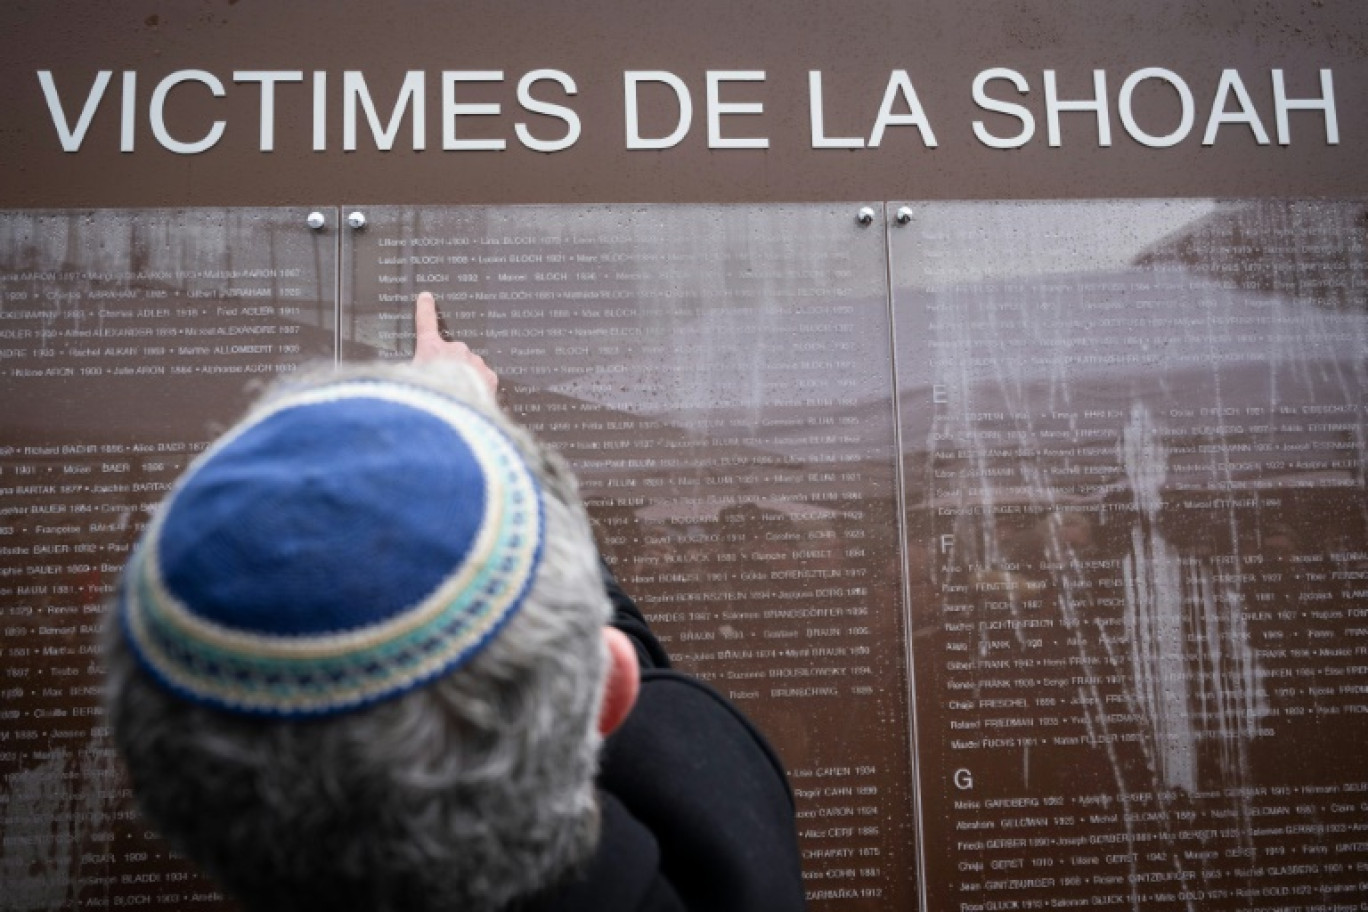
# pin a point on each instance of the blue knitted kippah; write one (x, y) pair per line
(341, 547)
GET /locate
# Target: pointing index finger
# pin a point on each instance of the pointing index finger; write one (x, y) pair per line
(425, 319)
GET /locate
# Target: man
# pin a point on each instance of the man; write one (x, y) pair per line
(366, 657)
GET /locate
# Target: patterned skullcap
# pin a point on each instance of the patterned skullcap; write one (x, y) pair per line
(341, 547)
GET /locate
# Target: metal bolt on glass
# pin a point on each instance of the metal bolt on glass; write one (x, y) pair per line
(356, 220)
(316, 221)
(865, 216)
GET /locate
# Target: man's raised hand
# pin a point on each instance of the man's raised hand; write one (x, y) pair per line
(430, 345)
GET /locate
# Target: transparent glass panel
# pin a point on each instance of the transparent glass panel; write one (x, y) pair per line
(720, 379)
(1133, 440)
(126, 339)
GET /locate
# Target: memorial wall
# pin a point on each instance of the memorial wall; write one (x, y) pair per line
(1032, 533)
(975, 393)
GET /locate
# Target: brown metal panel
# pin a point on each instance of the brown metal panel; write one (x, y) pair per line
(856, 47)
(1134, 442)
(718, 376)
(128, 341)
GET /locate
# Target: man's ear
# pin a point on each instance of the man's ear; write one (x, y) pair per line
(624, 681)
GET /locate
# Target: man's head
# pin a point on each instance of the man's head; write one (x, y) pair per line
(358, 658)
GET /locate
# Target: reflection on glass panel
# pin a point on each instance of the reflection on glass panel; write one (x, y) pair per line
(719, 377)
(126, 338)
(1134, 444)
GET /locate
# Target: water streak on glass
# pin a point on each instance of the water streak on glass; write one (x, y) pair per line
(1134, 444)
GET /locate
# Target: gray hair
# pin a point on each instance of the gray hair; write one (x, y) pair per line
(468, 793)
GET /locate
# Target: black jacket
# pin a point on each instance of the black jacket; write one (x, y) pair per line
(697, 813)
